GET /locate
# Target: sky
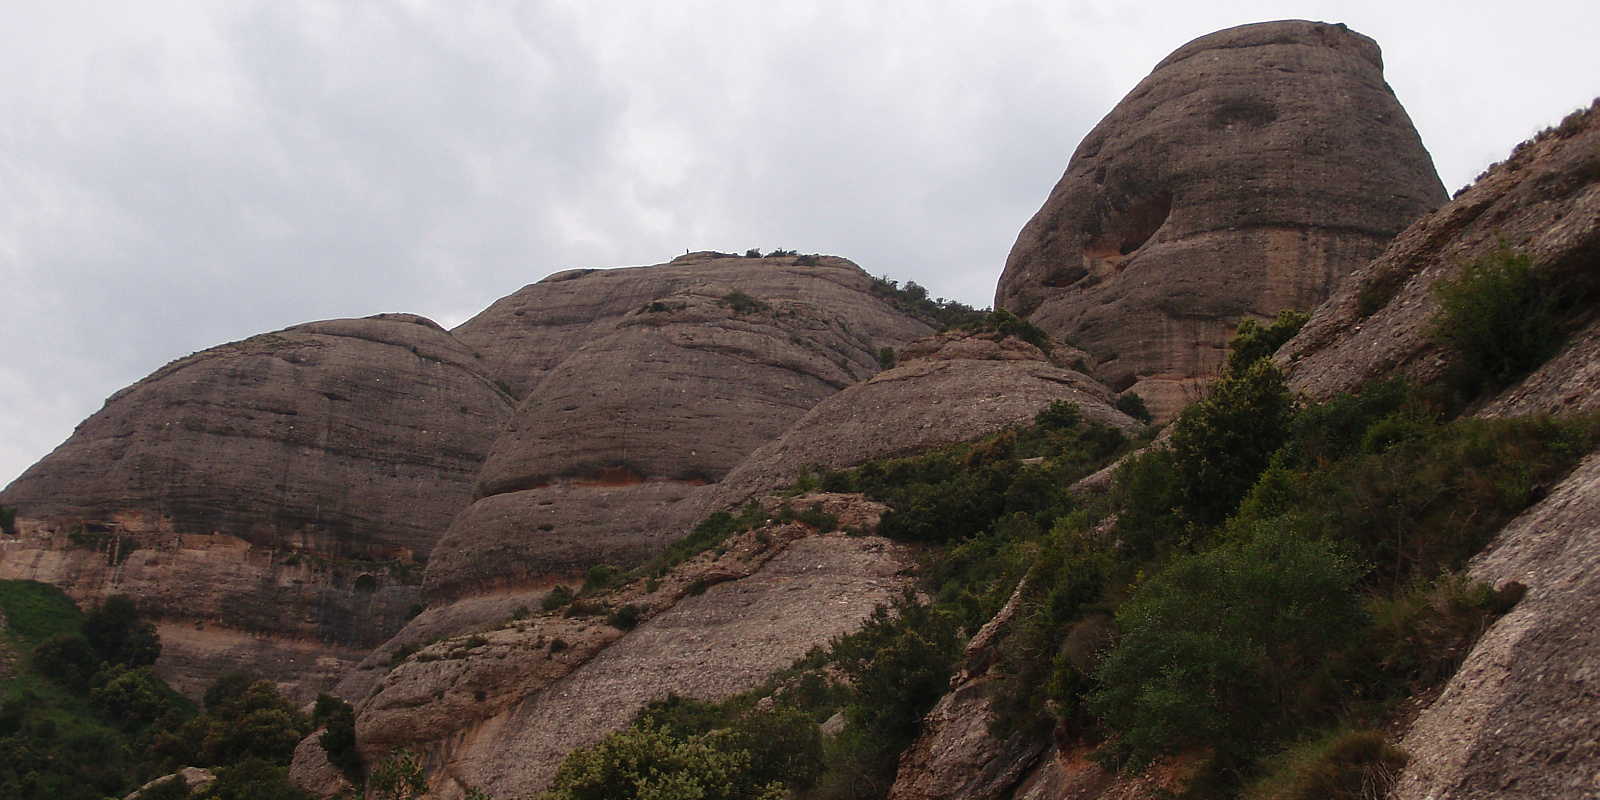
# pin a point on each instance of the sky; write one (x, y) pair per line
(175, 174)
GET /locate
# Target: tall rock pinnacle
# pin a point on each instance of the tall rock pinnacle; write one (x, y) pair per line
(1249, 173)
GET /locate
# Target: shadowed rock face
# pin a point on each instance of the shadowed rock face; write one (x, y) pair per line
(640, 386)
(1250, 172)
(348, 437)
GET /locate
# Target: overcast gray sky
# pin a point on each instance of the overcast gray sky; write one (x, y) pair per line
(174, 175)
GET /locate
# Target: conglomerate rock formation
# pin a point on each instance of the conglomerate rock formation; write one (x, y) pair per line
(1249, 173)
(954, 387)
(681, 371)
(345, 437)
(1543, 202)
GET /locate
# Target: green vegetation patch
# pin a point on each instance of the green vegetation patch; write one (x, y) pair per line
(1501, 314)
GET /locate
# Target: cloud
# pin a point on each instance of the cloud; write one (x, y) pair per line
(178, 174)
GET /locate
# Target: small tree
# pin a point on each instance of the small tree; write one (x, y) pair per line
(398, 776)
(1222, 443)
(1500, 314)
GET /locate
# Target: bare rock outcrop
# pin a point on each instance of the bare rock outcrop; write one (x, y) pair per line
(221, 602)
(499, 709)
(1521, 716)
(527, 334)
(1250, 172)
(345, 437)
(310, 769)
(954, 387)
(1544, 201)
(681, 372)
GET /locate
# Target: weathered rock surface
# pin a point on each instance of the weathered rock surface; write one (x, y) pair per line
(956, 755)
(1250, 172)
(311, 770)
(1521, 718)
(648, 383)
(346, 437)
(499, 709)
(530, 332)
(516, 539)
(222, 603)
(1544, 201)
(712, 646)
(193, 777)
(954, 387)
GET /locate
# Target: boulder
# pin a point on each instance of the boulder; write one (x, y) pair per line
(1249, 173)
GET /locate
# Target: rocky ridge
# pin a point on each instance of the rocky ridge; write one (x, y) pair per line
(345, 437)
(497, 709)
(954, 387)
(1149, 261)
(1544, 201)
(690, 366)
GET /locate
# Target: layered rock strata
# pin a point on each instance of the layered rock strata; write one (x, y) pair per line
(498, 710)
(222, 603)
(681, 371)
(356, 437)
(1250, 172)
(954, 387)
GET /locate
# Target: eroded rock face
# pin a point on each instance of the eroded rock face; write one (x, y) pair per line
(642, 386)
(530, 332)
(499, 709)
(1250, 172)
(954, 387)
(222, 603)
(1545, 202)
(1519, 719)
(346, 437)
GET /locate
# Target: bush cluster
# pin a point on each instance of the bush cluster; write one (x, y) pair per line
(85, 716)
(1501, 314)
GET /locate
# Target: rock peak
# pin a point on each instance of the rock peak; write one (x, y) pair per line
(1250, 172)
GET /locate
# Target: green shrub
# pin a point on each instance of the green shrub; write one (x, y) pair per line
(600, 577)
(68, 660)
(643, 762)
(254, 779)
(557, 598)
(1222, 443)
(1343, 765)
(1253, 341)
(1133, 405)
(741, 303)
(624, 618)
(399, 776)
(338, 740)
(1059, 415)
(1500, 314)
(120, 635)
(1216, 647)
(8, 515)
(819, 519)
(886, 357)
(132, 699)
